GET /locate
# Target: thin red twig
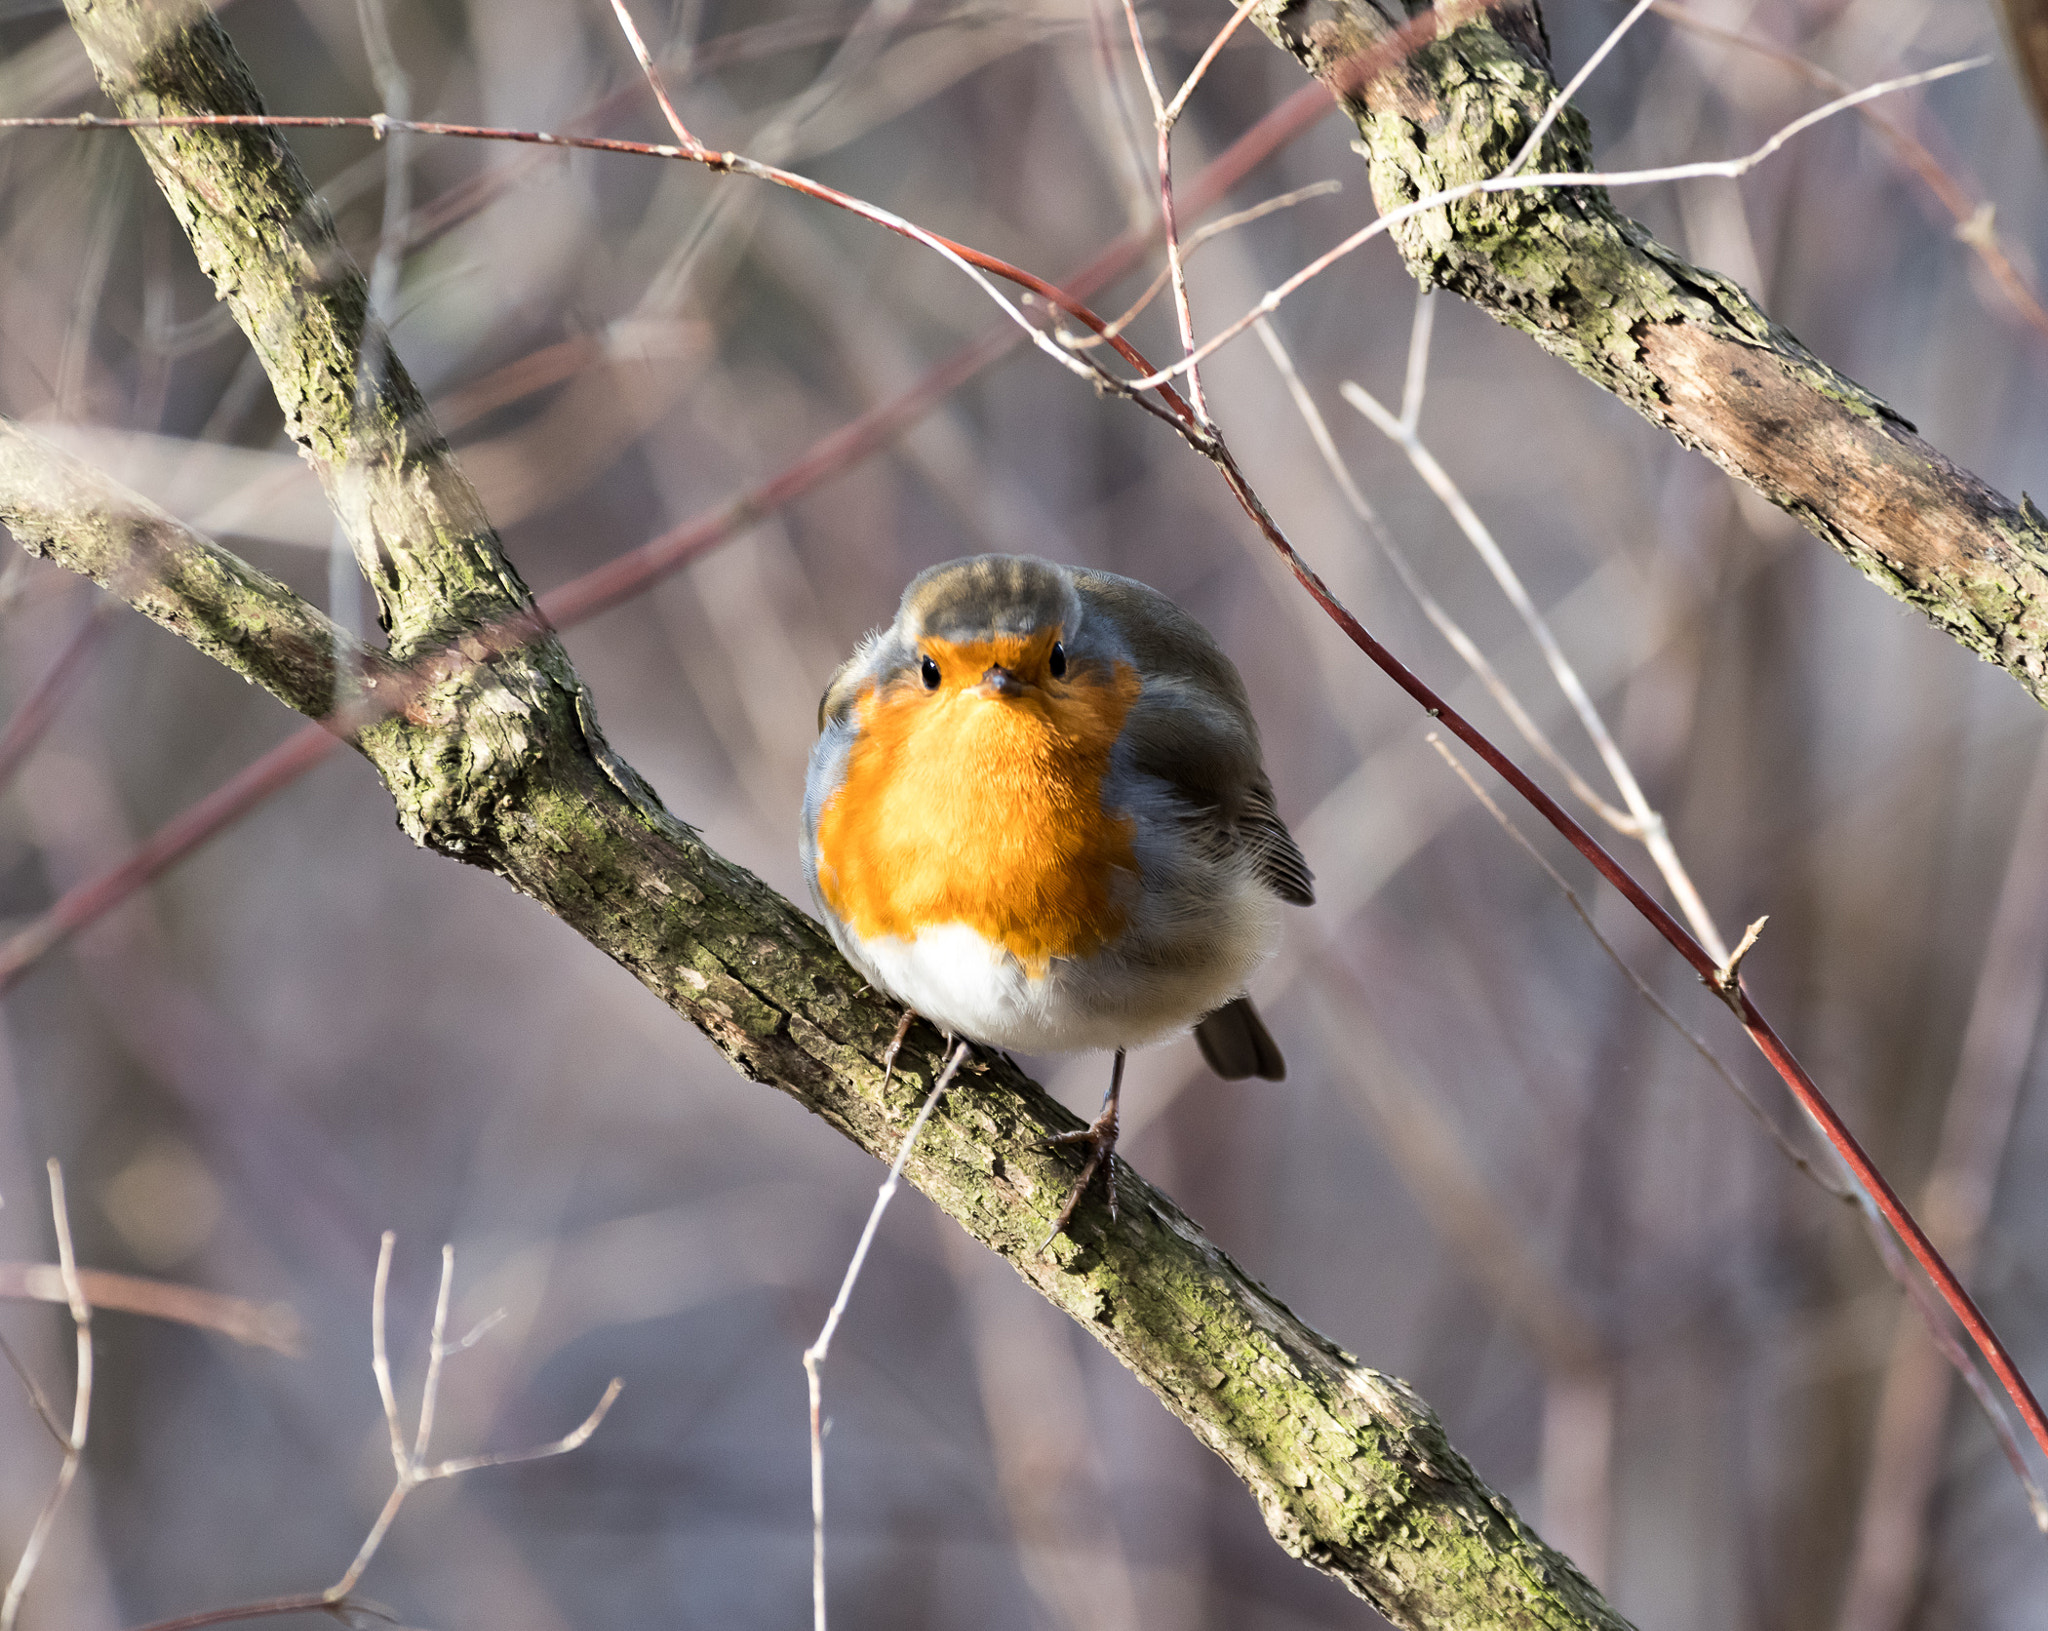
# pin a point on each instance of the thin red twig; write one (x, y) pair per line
(307, 1602)
(40, 706)
(1753, 1021)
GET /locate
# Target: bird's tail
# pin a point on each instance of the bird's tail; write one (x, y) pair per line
(1237, 1044)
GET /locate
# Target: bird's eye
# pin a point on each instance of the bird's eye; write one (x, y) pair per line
(928, 671)
(1056, 664)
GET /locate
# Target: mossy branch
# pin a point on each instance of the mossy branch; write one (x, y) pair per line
(1683, 346)
(269, 244)
(496, 758)
(58, 506)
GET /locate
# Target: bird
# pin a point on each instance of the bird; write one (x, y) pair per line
(1036, 814)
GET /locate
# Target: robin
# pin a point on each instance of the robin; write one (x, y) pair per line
(1036, 814)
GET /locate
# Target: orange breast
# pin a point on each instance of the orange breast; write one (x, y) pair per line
(959, 807)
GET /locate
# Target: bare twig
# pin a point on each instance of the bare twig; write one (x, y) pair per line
(1562, 100)
(1727, 169)
(1172, 111)
(816, 1354)
(1642, 821)
(1972, 216)
(1730, 970)
(81, 1406)
(640, 55)
(410, 1464)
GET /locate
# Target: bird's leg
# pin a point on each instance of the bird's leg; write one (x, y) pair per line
(896, 1046)
(1100, 1137)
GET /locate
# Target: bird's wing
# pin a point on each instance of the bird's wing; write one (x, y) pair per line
(1192, 728)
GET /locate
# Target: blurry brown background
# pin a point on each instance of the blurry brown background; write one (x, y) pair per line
(1492, 1171)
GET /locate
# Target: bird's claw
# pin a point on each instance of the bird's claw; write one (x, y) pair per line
(1100, 1138)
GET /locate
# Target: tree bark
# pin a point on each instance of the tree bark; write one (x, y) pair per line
(495, 757)
(1683, 346)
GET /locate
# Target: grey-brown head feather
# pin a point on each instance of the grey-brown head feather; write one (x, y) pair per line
(988, 594)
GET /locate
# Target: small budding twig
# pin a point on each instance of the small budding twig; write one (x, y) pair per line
(1725, 977)
(815, 1354)
(73, 1442)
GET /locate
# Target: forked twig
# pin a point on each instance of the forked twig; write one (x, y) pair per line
(409, 1462)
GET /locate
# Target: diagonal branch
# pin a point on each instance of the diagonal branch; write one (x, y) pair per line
(1682, 345)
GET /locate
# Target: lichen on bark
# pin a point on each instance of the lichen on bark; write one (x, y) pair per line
(1684, 346)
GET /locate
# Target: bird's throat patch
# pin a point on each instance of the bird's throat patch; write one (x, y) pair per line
(961, 807)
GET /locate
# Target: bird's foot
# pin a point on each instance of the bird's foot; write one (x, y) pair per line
(1100, 1139)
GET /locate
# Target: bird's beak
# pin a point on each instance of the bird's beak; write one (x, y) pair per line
(998, 681)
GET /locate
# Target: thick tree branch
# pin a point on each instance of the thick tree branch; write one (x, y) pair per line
(1683, 346)
(496, 758)
(58, 506)
(269, 244)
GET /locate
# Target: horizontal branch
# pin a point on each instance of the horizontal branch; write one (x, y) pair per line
(258, 1325)
(1682, 345)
